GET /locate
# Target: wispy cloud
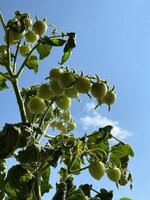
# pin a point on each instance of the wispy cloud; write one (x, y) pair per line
(93, 119)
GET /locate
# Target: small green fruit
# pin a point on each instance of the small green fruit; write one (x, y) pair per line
(97, 170)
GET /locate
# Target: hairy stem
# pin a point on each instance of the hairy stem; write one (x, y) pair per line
(19, 101)
(2, 21)
(37, 186)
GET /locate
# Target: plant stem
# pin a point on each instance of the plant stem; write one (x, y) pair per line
(24, 63)
(15, 57)
(2, 21)
(117, 139)
(43, 117)
(37, 186)
(19, 101)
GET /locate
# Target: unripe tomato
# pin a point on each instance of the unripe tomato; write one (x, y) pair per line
(36, 105)
(39, 27)
(31, 36)
(53, 124)
(60, 125)
(97, 170)
(72, 126)
(55, 73)
(24, 50)
(71, 92)
(27, 22)
(114, 174)
(82, 84)
(14, 37)
(56, 88)
(99, 90)
(66, 115)
(109, 98)
(63, 102)
(44, 92)
(66, 79)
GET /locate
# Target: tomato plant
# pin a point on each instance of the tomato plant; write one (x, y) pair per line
(45, 108)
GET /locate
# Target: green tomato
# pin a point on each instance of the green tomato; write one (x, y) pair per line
(27, 22)
(16, 36)
(36, 105)
(71, 92)
(66, 79)
(97, 170)
(72, 126)
(66, 115)
(44, 92)
(114, 174)
(39, 27)
(63, 102)
(24, 50)
(55, 73)
(31, 36)
(82, 84)
(60, 125)
(99, 90)
(109, 98)
(55, 88)
(53, 124)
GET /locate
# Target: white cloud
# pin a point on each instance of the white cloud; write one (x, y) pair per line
(93, 119)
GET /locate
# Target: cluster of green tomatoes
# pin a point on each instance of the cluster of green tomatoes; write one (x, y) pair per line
(97, 170)
(30, 31)
(63, 86)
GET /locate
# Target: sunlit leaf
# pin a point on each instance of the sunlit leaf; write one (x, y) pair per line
(32, 63)
(44, 50)
(65, 56)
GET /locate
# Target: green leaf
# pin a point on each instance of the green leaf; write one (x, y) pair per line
(86, 188)
(32, 63)
(44, 50)
(71, 43)
(105, 195)
(53, 42)
(76, 194)
(13, 136)
(76, 165)
(125, 198)
(45, 185)
(3, 84)
(120, 154)
(19, 183)
(66, 56)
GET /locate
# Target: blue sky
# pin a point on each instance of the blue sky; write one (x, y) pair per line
(113, 40)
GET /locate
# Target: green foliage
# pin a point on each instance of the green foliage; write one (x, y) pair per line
(35, 150)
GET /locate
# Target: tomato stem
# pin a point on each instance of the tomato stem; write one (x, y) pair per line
(2, 22)
(19, 101)
(24, 62)
(37, 186)
(15, 57)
